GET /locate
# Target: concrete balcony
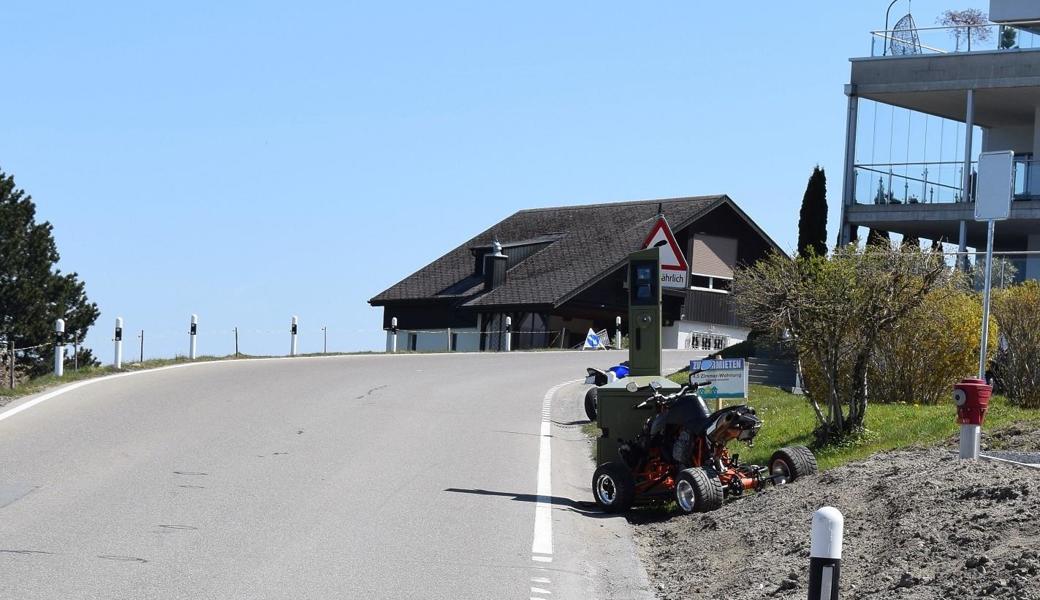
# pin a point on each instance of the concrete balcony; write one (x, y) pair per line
(1006, 84)
(942, 221)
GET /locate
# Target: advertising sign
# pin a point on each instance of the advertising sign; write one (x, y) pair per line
(728, 376)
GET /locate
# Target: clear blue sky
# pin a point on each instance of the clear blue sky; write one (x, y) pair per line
(251, 162)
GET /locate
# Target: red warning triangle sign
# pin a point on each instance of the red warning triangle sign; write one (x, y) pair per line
(672, 258)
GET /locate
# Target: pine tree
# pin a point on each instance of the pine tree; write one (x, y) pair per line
(33, 293)
(812, 219)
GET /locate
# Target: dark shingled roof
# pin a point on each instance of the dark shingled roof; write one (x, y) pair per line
(590, 242)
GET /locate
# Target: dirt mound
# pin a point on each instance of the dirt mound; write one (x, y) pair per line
(918, 524)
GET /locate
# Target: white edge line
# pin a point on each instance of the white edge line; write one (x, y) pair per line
(64, 389)
(542, 546)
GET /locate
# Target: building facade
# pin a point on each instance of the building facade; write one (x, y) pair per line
(554, 273)
(955, 92)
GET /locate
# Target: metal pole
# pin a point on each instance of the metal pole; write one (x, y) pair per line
(118, 340)
(142, 346)
(59, 348)
(828, 528)
(969, 121)
(191, 335)
(617, 333)
(990, 226)
(325, 339)
(75, 352)
(236, 341)
(449, 339)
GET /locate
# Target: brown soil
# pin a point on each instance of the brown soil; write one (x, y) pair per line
(919, 524)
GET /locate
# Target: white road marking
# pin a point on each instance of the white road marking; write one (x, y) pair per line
(542, 546)
(537, 590)
(540, 580)
(85, 382)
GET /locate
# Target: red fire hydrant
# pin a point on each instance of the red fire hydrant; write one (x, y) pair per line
(972, 399)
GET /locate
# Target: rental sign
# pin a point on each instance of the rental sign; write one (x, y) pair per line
(728, 376)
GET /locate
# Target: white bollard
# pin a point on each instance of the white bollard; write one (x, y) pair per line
(509, 334)
(828, 529)
(192, 333)
(292, 348)
(971, 441)
(392, 336)
(59, 347)
(617, 333)
(118, 340)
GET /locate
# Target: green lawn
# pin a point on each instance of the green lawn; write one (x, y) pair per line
(788, 419)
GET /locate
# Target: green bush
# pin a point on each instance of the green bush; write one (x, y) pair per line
(921, 358)
(1017, 368)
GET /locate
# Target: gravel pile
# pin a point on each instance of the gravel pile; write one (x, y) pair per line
(918, 524)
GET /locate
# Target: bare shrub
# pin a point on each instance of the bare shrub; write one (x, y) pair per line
(937, 345)
(1017, 368)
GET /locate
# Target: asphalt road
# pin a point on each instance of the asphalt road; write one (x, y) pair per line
(409, 476)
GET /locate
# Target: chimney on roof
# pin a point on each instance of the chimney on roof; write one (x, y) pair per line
(494, 267)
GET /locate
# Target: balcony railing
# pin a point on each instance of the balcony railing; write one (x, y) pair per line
(945, 40)
(932, 182)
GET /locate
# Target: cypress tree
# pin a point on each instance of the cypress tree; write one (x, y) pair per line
(812, 219)
(877, 237)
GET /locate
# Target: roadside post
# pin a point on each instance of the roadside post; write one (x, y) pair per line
(324, 339)
(971, 396)
(10, 356)
(728, 376)
(117, 339)
(617, 332)
(828, 529)
(193, 332)
(292, 330)
(995, 189)
(59, 348)
(509, 334)
(392, 336)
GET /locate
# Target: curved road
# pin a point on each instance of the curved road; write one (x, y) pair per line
(409, 476)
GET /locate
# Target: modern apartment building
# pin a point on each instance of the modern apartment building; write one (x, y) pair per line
(922, 107)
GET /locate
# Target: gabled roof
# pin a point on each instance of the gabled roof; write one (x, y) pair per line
(586, 243)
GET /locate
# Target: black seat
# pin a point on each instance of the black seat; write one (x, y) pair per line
(692, 413)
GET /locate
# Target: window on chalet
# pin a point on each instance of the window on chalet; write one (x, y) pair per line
(712, 260)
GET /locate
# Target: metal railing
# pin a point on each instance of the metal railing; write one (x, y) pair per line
(932, 182)
(947, 40)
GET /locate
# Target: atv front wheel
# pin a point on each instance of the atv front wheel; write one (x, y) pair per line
(591, 400)
(698, 490)
(792, 462)
(614, 487)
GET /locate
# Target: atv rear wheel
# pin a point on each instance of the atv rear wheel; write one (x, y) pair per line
(591, 401)
(792, 462)
(613, 487)
(698, 490)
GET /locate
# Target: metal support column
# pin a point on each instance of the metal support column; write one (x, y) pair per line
(969, 122)
(848, 192)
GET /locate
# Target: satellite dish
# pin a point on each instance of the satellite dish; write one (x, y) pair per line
(903, 39)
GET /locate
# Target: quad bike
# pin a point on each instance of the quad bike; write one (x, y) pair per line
(596, 377)
(682, 454)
